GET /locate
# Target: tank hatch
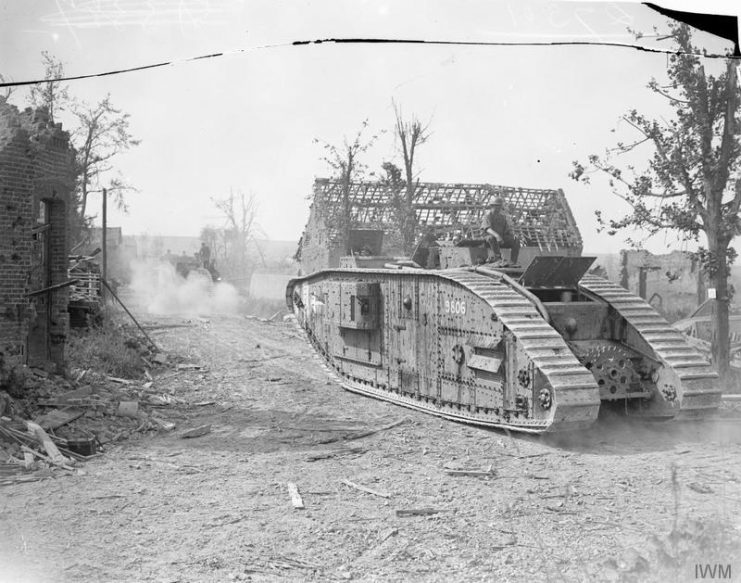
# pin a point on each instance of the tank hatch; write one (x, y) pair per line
(555, 272)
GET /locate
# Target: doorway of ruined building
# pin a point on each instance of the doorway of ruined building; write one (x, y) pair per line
(39, 343)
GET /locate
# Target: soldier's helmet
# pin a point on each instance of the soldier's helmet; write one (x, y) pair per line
(497, 202)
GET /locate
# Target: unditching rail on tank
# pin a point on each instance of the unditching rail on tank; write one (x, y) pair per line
(685, 378)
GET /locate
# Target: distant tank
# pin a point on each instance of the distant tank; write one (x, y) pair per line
(534, 347)
(191, 267)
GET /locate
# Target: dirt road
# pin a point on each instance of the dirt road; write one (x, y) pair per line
(427, 500)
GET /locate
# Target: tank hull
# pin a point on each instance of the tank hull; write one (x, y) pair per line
(476, 348)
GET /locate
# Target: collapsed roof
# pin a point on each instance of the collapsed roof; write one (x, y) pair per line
(540, 217)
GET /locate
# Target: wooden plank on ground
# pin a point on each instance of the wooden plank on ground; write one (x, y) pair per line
(296, 499)
(417, 512)
(42, 437)
(365, 489)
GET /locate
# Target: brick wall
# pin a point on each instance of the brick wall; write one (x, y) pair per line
(36, 181)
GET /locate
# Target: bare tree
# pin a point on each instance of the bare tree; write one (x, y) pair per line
(412, 134)
(346, 167)
(240, 213)
(52, 94)
(692, 185)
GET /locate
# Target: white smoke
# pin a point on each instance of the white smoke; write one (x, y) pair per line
(161, 290)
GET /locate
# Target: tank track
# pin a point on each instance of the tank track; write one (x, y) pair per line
(575, 394)
(698, 394)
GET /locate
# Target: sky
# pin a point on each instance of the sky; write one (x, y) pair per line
(248, 121)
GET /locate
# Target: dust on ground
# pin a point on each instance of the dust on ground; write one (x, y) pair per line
(422, 499)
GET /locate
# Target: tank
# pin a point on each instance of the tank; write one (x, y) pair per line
(536, 347)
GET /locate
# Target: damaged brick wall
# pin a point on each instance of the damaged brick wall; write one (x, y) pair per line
(36, 181)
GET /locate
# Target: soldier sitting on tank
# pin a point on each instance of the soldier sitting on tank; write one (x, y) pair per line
(497, 226)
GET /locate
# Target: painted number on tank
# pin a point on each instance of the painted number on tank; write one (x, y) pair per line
(455, 306)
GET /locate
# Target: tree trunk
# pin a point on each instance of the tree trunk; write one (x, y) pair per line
(345, 230)
(721, 336)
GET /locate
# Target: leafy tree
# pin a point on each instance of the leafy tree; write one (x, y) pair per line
(346, 167)
(53, 94)
(411, 134)
(7, 91)
(692, 184)
(102, 133)
(392, 176)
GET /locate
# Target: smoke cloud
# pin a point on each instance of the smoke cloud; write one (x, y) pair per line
(162, 291)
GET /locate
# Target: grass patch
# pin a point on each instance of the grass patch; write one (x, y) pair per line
(107, 349)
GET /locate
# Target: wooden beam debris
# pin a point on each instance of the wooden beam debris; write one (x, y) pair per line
(402, 513)
(522, 457)
(54, 455)
(487, 473)
(48, 459)
(362, 434)
(196, 431)
(113, 293)
(326, 454)
(293, 492)
(365, 489)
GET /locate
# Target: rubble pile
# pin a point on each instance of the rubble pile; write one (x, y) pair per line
(50, 423)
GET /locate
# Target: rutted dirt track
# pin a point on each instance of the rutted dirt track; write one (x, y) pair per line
(595, 506)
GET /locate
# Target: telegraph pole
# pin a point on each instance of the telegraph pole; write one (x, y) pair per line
(103, 239)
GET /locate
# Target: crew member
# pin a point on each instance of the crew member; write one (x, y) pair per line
(204, 254)
(498, 229)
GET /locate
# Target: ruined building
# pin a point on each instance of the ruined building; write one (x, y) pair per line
(539, 217)
(36, 182)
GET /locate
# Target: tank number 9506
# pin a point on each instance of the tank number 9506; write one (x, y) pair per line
(455, 306)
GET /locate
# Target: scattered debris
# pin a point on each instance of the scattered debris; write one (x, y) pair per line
(701, 488)
(387, 534)
(362, 434)
(196, 431)
(120, 381)
(166, 425)
(43, 438)
(274, 316)
(264, 358)
(536, 477)
(487, 473)
(190, 367)
(323, 455)
(296, 499)
(56, 418)
(403, 513)
(128, 409)
(522, 457)
(365, 489)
